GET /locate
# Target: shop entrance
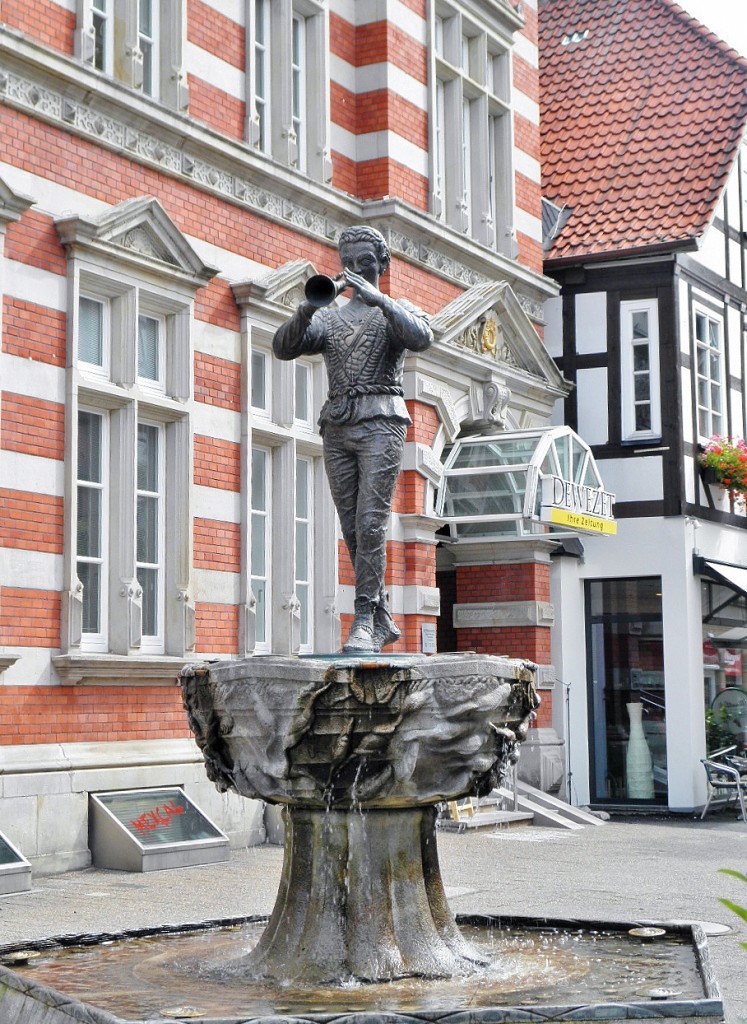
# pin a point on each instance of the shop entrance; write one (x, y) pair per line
(627, 708)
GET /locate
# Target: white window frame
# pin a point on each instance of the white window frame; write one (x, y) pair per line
(157, 384)
(257, 357)
(98, 641)
(102, 19)
(298, 68)
(102, 369)
(274, 123)
(125, 400)
(303, 372)
(306, 523)
(154, 643)
(709, 420)
(261, 79)
(263, 646)
(628, 373)
(149, 44)
(471, 128)
(123, 53)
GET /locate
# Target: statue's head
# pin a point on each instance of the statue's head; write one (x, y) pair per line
(363, 235)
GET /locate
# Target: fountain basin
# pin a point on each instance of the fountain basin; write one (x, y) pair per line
(359, 750)
(540, 971)
(367, 733)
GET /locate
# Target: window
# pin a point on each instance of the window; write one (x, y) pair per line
(259, 387)
(140, 43)
(93, 328)
(103, 34)
(304, 548)
(262, 72)
(471, 130)
(150, 529)
(91, 527)
(303, 402)
(288, 63)
(709, 373)
(117, 429)
(298, 88)
(261, 547)
(639, 355)
(148, 41)
(127, 587)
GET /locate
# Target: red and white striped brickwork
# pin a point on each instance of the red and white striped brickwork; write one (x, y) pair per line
(379, 136)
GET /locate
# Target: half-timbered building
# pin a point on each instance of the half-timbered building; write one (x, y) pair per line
(645, 175)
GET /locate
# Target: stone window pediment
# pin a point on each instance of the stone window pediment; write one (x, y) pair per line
(283, 286)
(138, 231)
(488, 321)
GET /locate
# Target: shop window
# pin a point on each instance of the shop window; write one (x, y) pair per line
(288, 65)
(639, 355)
(471, 129)
(709, 372)
(724, 666)
(627, 705)
(139, 43)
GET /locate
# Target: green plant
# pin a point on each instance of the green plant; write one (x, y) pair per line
(740, 911)
(717, 729)
(727, 458)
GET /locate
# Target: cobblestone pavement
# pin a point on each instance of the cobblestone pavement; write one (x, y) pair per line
(634, 870)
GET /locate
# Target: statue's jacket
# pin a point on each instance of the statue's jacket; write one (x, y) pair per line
(364, 358)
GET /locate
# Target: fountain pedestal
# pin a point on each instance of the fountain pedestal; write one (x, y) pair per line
(360, 897)
(360, 750)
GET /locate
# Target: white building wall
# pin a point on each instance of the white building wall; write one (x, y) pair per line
(645, 547)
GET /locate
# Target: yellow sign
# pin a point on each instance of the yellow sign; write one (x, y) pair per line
(582, 521)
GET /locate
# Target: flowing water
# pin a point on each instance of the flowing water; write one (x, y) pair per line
(136, 978)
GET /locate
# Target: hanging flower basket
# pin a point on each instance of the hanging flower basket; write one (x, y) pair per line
(724, 462)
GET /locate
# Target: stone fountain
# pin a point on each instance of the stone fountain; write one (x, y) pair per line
(360, 752)
(359, 749)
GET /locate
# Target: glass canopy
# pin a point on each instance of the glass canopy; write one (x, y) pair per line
(492, 485)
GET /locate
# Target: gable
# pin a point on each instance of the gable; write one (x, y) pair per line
(489, 321)
(140, 231)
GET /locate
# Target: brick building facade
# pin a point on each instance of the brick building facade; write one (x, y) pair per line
(170, 174)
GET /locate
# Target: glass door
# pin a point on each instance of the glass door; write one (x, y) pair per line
(627, 709)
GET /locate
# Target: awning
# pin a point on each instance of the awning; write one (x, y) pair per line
(734, 576)
(540, 481)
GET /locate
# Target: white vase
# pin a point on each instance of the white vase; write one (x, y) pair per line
(638, 766)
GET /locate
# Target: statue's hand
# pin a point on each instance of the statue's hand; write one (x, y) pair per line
(369, 293)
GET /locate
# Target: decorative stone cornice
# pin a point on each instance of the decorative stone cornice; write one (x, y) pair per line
(66, 93)
(12, 204)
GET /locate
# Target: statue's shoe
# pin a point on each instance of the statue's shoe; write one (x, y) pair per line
(360, 639)
(385, 629)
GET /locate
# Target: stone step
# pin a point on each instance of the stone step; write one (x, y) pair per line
(543, 815)
(567, 810)
(485, 819)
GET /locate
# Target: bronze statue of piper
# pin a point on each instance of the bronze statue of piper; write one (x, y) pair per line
(364, 421)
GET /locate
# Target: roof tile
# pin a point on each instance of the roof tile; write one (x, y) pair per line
(641, 121)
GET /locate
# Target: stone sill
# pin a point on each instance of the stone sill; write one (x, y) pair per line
(119, 669)
(26, 758)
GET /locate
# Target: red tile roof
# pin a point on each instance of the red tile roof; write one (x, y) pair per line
(641, 121)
